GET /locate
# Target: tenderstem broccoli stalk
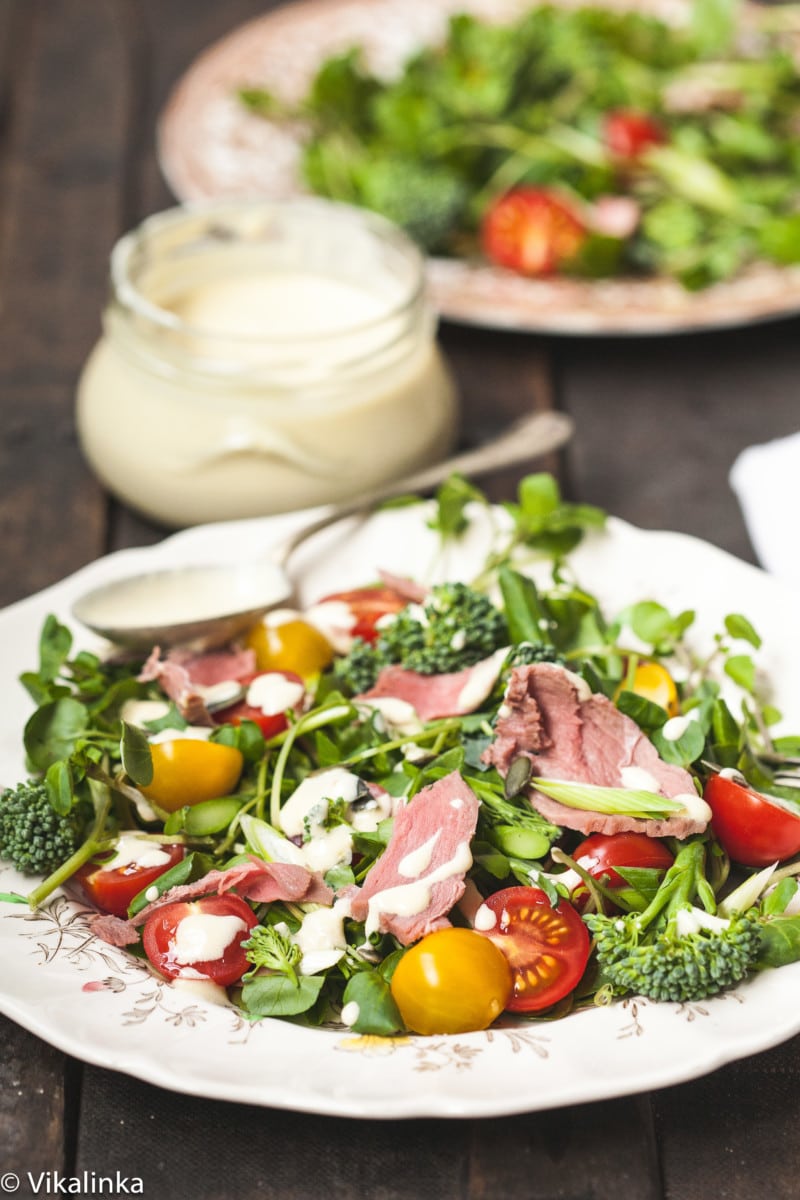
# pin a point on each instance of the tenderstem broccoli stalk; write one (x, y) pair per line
(94, 844)
(674, 950)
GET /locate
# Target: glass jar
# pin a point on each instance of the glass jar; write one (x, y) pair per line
(262, 356)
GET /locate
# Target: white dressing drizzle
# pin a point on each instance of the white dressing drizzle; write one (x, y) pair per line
(417, 861)
(273, 693)
(204, 937)
(132, 850)
(409, 899)
(638, 779)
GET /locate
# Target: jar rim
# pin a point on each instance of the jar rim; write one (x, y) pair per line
(130, 297)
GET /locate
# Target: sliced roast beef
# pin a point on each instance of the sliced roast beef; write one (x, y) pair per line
(435, 696)
(420, 875)
(549, 716)
(183, 675)
(254, 880)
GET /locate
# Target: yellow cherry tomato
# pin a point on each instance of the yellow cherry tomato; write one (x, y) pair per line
(653, 682)
(293, 645)
(453, 981)
(188, 770)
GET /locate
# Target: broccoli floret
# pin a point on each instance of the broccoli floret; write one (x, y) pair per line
(33, 836)
(454, 628)
(526, 653)
(357, 671)
(673, 951)
(427, 201)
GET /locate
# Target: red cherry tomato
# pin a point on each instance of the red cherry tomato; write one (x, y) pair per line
(368, 605)
(601, 852)
(628, 133)
(547, 948)
(169, 943)
(753, 829)
(270, 723)
(111, 889)
(532, 231)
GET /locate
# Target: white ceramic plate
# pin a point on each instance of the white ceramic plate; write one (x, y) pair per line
(102, 1006)
(210, 146)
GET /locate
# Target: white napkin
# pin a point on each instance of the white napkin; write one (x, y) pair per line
(766, 481)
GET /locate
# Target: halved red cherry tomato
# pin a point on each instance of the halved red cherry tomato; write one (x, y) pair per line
(453, 981)
(547, 948)
(601, 852)
(176, 937)
(269, 722)
(532, 231)
(111, 889)
(753, 829)
(629, 133)
(368, 605)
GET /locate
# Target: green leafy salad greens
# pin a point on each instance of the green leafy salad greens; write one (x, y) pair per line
(673, 933)
(527, 104)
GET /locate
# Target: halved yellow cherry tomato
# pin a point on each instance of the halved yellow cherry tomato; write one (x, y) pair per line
(653, 682)
(188, 770)
(453, 981)
(293, 645)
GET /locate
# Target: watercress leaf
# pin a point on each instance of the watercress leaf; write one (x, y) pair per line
(452, 498)
(789, 745)
(137, 760)
(526, 618)
(55, 642)
(742, 670)
(492, 861)
(780, 942)
(377, 1011)
(650, 621)
(724, 727)
(739, 627)
(279, 996)
(775, 902)
(646, 713)
(246, 737)
(539, 497)
(53, 731)
(58, 781)
(40, 691)
(643, 880)
(339, 877)
(681, 751)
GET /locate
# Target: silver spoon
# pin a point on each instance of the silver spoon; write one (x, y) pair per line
(143, 611)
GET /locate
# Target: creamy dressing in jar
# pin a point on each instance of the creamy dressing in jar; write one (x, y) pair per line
(262, 356)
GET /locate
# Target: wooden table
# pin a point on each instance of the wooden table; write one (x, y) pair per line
(659, 422)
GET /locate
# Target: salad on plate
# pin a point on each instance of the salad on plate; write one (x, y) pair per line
(585, 141)
(425, 807)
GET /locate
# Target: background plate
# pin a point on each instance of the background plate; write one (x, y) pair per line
(210, 146)
(100, 1005)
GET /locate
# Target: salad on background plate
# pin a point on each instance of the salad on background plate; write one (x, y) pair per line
(535, 797)
(578, 168)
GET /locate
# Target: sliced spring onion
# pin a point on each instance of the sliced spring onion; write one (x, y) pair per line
(627, 802)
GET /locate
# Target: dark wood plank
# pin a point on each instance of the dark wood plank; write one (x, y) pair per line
(60, 215)
(734, 1133)
(35, 1083)
(598, 1150)
(209, 1150)
(660, 422)
(499, 377)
